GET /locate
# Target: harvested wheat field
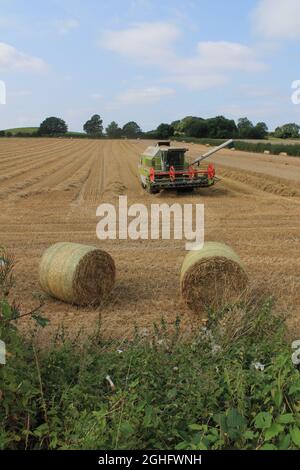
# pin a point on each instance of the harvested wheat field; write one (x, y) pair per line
(49, 191)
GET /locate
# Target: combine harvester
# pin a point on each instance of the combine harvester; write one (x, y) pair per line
(165, 167)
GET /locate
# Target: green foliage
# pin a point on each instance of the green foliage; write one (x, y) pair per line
(53, 126)
(198, 128)
(94, 126)
(246, 129)
(34, 132)
(113, 131)
(184, 126)
(19, 385)
(221, 128)
(131, 130)
(287, 131)
(164, 131)
(22, 131)
(276, 149)
(218, 127)
(260, 131)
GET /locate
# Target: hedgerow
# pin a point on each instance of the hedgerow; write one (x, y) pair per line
(232, 386)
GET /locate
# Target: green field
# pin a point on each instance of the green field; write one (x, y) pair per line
(27, 130)
(30, 130)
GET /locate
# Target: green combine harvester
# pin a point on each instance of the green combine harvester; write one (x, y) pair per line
(165, 167)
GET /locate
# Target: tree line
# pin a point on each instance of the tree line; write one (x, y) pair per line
(218, 127)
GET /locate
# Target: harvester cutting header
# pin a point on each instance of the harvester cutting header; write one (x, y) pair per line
(165, 167)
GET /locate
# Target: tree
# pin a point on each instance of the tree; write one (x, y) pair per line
(197, 128)
(185, 124)
(164, 131)
(287, 131)
(53, 126)
(94, 126)
(132, 130)
(245, 128)
(175, 125)
(248, 131)
(221, 128)
(260, 131)
(113, 131)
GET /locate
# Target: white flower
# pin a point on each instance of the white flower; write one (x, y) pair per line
(215, 348)
(258, 365)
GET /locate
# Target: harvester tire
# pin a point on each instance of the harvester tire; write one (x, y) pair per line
(152, 190)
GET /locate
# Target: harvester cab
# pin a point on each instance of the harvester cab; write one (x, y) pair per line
(165, 167)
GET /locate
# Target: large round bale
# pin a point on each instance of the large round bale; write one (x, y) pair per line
(212, 277)
(79, 274)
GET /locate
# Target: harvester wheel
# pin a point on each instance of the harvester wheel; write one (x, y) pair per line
(151, 190)
(154, 191)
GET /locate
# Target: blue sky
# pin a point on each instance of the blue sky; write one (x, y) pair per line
(148, 60)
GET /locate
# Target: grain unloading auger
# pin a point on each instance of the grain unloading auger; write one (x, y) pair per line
(165, 167)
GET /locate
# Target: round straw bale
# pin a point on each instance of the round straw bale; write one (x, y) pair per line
(75, 273)
(211, 277)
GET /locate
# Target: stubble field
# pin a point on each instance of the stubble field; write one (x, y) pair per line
(49, 192)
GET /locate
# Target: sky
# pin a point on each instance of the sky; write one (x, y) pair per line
(150, 61)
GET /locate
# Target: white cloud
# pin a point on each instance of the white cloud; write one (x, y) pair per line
(154, 44)
(278, 19)
(197, 79)
(67, 25)
(227, 56)
(145, 42)
(257, 92)
(252, 111)
(139, 96)
(211, 65)
(11, 58)
(144, 95)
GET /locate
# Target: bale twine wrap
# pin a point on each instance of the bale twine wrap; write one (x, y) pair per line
(212, 277)
(77, 274)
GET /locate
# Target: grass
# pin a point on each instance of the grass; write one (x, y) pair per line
(32, 130)
(156, 392)
(75, 134)
(25, 130)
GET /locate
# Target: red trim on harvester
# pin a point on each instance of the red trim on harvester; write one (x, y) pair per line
(152, 175)
(210, 172)
(172, 173)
